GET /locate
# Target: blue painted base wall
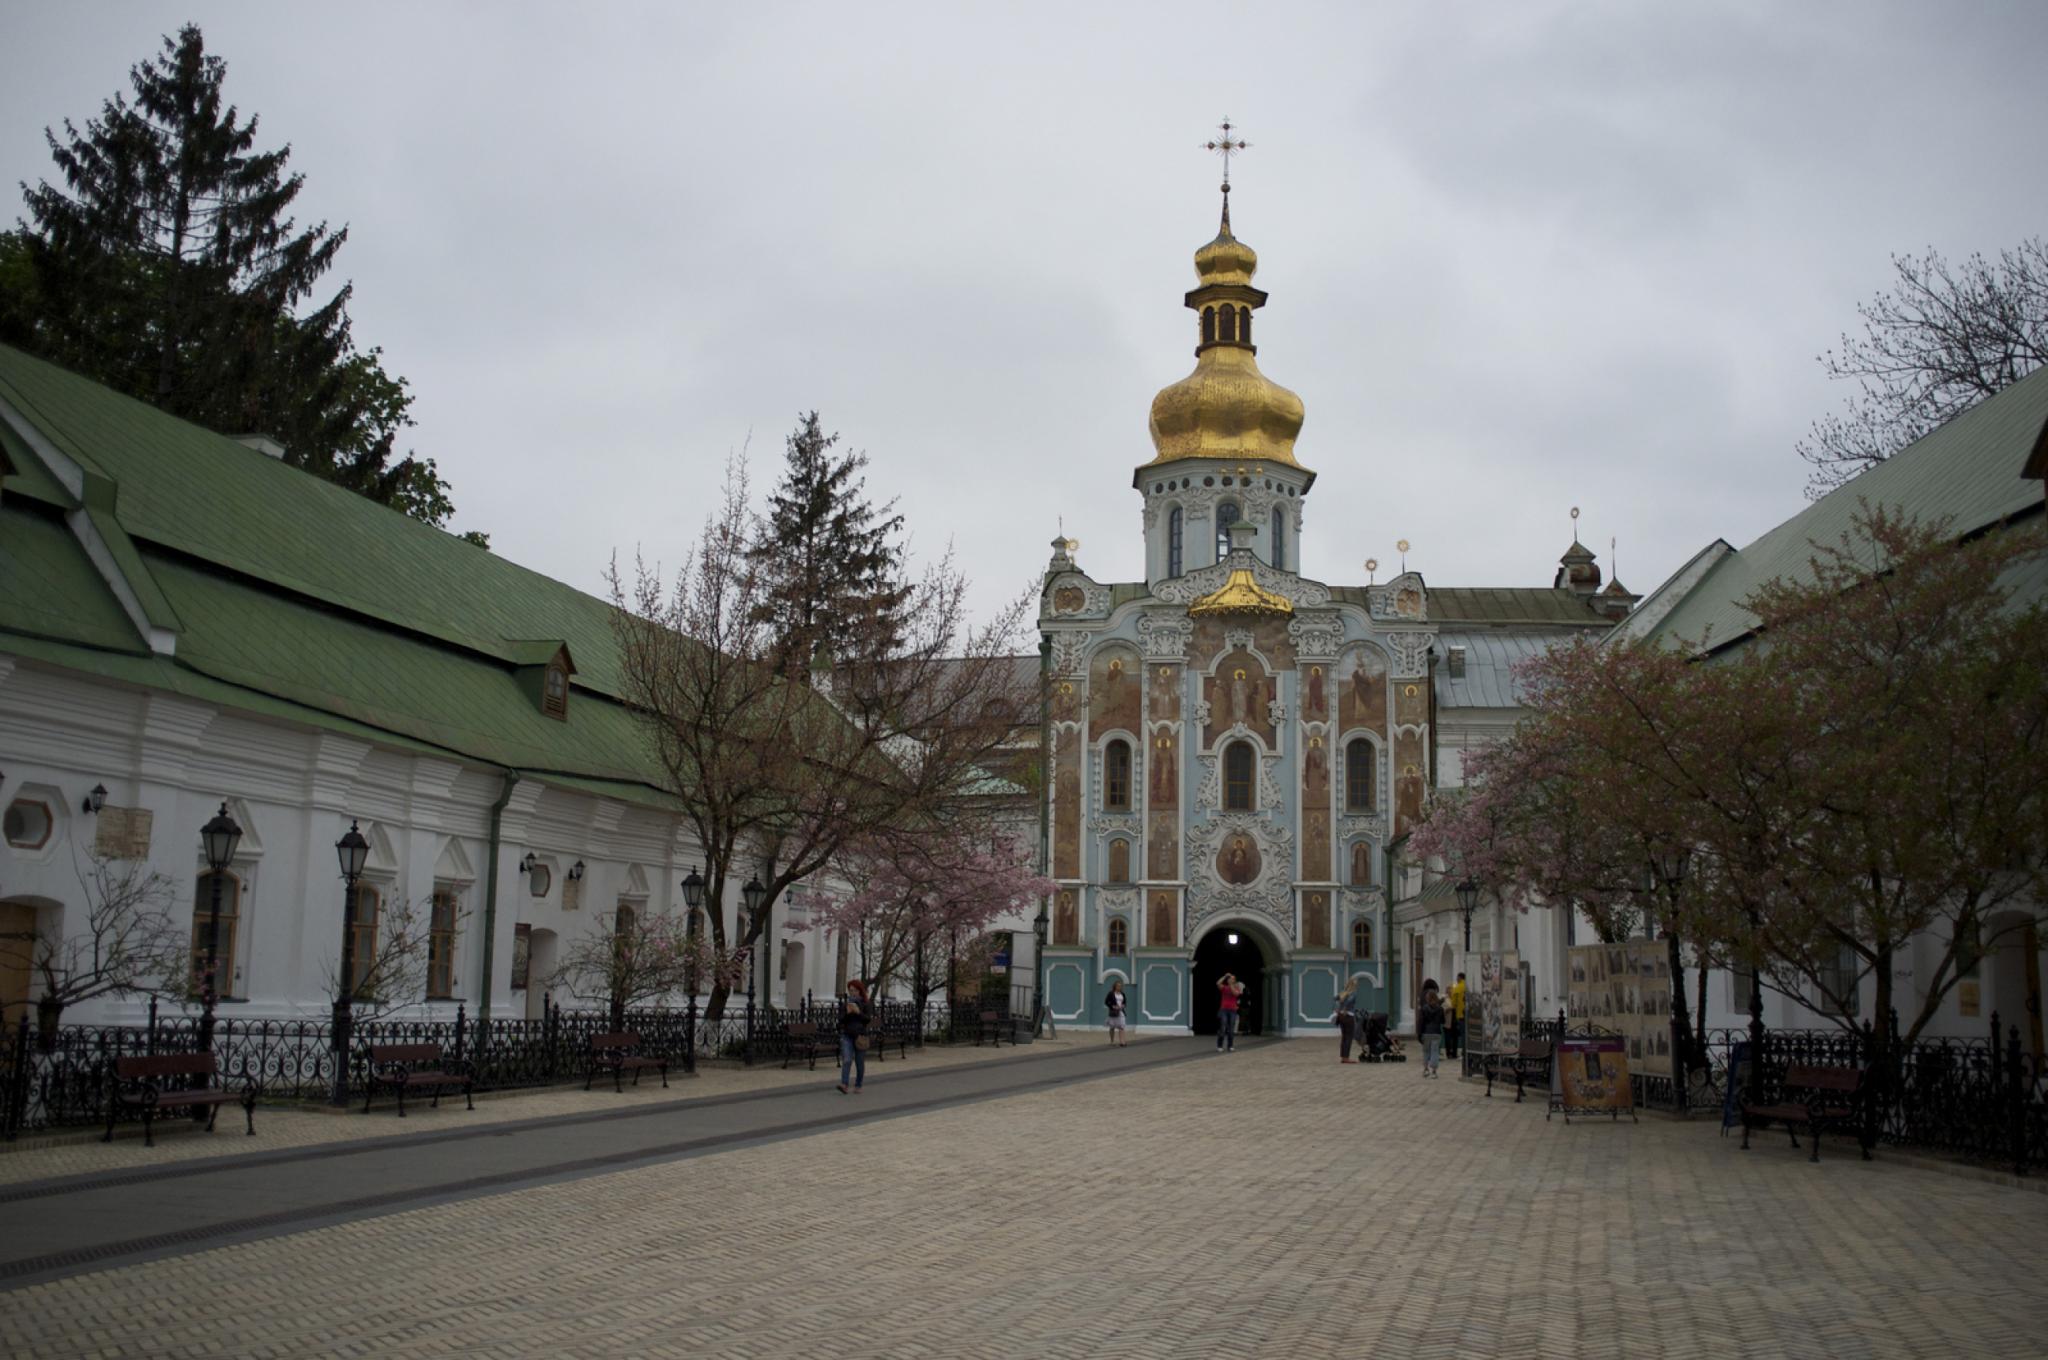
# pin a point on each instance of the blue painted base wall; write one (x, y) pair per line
(1156, 981)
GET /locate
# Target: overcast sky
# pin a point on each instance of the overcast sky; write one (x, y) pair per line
(1521, 256)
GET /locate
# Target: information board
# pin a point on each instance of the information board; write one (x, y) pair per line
(1625, 987)
(1591, 1074)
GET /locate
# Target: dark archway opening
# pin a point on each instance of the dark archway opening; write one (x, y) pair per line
(1229, 949)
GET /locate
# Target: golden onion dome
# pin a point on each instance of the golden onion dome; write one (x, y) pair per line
(1226, 408)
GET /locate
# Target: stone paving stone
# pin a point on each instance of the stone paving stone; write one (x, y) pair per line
(1270, 1203)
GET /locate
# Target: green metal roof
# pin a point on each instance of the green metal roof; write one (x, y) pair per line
(291, 597)
(1969, 469)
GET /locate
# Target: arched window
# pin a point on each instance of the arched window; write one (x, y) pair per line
(1279, 538)
(555, 693)
(1208, 325)
(1361, 939)
(1119, 935)
(226, 926)
(1361, 777)
(1226, 515)
(1173, 542)
(1244, 324)
(1227, 331)
(1237, 777)
(1116, 776)
(445, 916)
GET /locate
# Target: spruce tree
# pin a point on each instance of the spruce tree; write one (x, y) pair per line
(833, 562)
(168, 267)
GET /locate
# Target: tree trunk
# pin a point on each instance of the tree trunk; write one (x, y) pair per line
(1684, 1055)
(714, 1005)
(616, 1013)
(48, 1011)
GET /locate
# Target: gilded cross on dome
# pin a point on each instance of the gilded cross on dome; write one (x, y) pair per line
(1226, 147)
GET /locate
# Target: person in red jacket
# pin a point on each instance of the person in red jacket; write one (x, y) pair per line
(1228, 990)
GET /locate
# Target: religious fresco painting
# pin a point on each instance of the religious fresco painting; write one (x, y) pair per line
(1364, 677)
(1315, 811)
(1066, 701)
(1238, 860)
(1361, 864)
(1164, 779)
(1119, 860)
(1162, 693)
(1066, 919)
(1161, 919)
(1240, 691)
(1408, 780)
(1162, 845)
(1066, 805)
(1315, 694)
(1411, 702)
(1315, 920)
(1113, 699)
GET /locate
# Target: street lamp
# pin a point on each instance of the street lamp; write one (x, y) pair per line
(1038, 933)
(97, 799)
(354, 852)
(220, 838)
(693, 898)
(1468, 901)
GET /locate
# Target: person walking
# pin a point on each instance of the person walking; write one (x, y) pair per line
(1429, 1027)
(1347, 1021)
(853, 1035)
(1456, 1035)
(1114, 1005)
(1228, 990)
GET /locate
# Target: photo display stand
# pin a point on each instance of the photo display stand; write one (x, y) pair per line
(1589, 1075)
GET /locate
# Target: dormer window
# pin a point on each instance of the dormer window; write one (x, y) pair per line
(554, 694)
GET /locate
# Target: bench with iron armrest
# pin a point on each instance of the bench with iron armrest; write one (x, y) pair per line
(163, 1082)
(806, 1040)
(1813, 1096)
(993, 1026)
(898, 1029)
(620, 1053)
(416, 1067)
(1529, 1063)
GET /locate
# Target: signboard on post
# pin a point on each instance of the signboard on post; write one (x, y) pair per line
(1000, 963)
(1625, 987)
(1493, 1002)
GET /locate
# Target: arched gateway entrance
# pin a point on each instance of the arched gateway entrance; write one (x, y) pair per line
(1233, 947)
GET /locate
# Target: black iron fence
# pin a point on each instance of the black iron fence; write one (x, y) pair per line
(61, 1079)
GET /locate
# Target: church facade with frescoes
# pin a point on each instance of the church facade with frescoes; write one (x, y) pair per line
(1235, 749)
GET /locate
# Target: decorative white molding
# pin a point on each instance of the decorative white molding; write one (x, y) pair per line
(1094, 595)
(1191, 587)
(1317, 637)
(1070, 653)
(1410, 651)
(1267, 895)
(1165, 636)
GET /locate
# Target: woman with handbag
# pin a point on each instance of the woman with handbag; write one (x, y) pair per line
(1113, 1004)
(1347, 1021)
(853, 1035)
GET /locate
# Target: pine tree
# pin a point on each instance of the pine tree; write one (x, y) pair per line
(831, 556)
(167, 266)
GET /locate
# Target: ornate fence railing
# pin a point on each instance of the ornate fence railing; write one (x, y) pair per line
(62, 1081)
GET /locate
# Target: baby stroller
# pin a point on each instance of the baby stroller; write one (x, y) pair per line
(1379, 1045)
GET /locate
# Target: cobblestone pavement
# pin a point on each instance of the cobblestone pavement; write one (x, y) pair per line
(1268, 1203)
(289, 1127)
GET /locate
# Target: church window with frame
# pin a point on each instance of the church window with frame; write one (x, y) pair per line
(1116, 776)
(1361, 776)
(225, 931)
(441, 945)
(1119, 935)
(362, 938)
(1279, 538)
(1244, 324)
(1237, 777)
(1208, 325)
(554, 693)
(1173, 533)
(1226, 515)
(1361, 939)
(1226, 330)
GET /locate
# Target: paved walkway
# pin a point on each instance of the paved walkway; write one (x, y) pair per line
(1270, 1203)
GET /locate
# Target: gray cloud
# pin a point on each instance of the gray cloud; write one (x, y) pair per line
(1520, 257)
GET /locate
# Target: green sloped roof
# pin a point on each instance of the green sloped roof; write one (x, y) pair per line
(187, 488)
(1969, 469)
(48, 588)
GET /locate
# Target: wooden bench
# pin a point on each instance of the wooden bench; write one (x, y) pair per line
(805, 1039)
(416, 1067)
(151, 1084)
(618, 1053)
(1530, 1060)
(1813, 1096)
(991, 1027)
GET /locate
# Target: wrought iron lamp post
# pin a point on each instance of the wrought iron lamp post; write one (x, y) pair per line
(751, 895)
(1039, 925)
(693, 898)
(1468, 902)
(220, 838)
(354, 852)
